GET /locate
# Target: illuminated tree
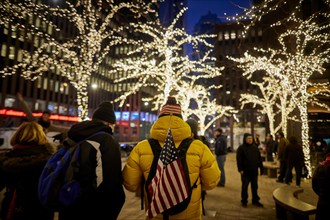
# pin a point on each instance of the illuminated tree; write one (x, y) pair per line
(272, 100)
(304, 53)
(76, 56)
(159, 61)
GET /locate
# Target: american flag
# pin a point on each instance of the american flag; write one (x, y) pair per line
(168, 187)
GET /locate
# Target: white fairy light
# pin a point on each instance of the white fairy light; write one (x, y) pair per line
(77, 58)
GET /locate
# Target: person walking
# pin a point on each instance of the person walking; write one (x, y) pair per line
(320, 185)
(249, 160)
(269, 145)
(200, 161)
(294, 156)
(43, 120)
(283, 142)
(20, 169)
(100, 172)
(221, 152)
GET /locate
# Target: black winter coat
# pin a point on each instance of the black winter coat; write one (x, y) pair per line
(100, 173)
(321, 186)
(248, 159)
(20, 169)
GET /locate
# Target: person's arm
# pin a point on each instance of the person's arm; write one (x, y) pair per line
(239, 160)
(25, 107)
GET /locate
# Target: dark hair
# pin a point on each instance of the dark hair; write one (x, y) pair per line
(219, 130)
(48, 112)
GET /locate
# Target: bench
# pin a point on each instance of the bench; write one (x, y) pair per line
(271, 168)
(289, 207)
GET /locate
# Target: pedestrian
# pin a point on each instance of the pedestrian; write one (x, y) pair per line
(100, 171)
(269, 145)
(20, 169)
(194, 130)
(294, 156)
(257, 140)
(43, 120)
(282, 144)
(221, 152)
(249, 160)
(200, 161)
(320, 185)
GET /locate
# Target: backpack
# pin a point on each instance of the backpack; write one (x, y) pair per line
(183, 148)
(58, 185)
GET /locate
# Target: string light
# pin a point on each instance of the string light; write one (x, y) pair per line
(304, 52)
(77, 58)
(159, 62)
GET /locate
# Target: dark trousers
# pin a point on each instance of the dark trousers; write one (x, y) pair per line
(283, 168)
(254, 188)
(288, 175)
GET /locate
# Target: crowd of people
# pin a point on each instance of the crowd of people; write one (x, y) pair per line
(103, 180)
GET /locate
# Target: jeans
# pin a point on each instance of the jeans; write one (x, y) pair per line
(221, 159)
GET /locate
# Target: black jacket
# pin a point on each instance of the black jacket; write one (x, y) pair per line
(20, 169)
(248, 159)
(320, 184)
(221, 145)
(100, 174)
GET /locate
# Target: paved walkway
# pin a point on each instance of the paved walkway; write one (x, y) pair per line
(223, 203)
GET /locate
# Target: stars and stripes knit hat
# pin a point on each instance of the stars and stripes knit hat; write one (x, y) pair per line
(171, 107)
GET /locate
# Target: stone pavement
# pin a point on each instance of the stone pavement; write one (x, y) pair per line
(224, 202)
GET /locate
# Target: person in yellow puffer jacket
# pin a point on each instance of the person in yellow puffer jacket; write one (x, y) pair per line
(201, 162)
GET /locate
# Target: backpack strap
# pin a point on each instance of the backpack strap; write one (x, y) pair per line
(156, 149)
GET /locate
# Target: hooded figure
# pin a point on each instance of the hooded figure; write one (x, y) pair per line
(201, 163)
(100, 170)
(249, 160)
(320, 185)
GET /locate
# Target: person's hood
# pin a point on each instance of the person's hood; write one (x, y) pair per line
(179, 128)
(244, 136)
(83, 130)
(21, 160)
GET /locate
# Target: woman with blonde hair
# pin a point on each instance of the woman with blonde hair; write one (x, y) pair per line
(20, 169)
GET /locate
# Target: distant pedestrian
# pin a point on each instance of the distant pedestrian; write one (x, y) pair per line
(294, 156)
(100, 172)
(249, 160)
(257, 140)
(269, 145)
(43, 120)
(20, 169)
(321, 186)
(282, 144)
(221, 152)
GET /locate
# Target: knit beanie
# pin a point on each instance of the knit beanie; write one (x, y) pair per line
(105, 112)
(170, 107)
(193, 125)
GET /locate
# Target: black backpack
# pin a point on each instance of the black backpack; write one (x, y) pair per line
(156, 149)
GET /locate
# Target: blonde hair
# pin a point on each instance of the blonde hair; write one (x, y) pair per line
(28, 133)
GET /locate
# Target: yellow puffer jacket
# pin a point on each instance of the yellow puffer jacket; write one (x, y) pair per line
(200, 160)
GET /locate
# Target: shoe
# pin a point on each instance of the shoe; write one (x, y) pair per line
(244, 205)
(258, 204)
(280, 181)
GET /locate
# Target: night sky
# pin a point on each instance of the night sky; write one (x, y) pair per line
(198, 8)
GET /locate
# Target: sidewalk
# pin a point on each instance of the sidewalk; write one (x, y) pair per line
(223, 203)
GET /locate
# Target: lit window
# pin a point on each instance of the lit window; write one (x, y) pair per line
(232, 35)
(3, 50)
(220, 36)
(226, 35)
(11, 53)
